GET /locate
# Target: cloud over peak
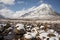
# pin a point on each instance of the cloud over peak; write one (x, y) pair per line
(9, 2)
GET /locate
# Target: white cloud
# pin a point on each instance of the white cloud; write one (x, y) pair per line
(10, 14)
(7, 1)
(6, 12)
(18, 14)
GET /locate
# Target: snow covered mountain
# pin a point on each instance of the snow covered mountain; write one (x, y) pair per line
(44, 11)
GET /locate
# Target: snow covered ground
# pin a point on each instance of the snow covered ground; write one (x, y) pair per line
(35, 32)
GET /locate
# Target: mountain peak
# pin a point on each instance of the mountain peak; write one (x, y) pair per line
(43, 11)
(43, 5)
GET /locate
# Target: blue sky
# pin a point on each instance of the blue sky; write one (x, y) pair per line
(25, 4)
(19, 7)
(29, 3)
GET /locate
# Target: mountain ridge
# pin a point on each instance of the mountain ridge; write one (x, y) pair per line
(44, 11)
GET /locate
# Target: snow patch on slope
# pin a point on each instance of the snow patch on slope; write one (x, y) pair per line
(42, 11)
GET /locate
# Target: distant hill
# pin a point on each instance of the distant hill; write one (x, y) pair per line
(2, 17)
